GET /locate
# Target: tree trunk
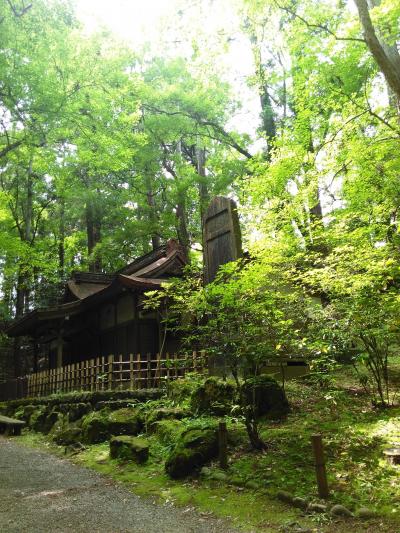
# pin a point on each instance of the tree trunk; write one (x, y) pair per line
(182, 230)
(93, 228)
(204, 195)
(153, 216)
(61, 240)
(386, 56)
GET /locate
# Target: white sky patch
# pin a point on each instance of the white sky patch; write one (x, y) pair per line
(150, 21)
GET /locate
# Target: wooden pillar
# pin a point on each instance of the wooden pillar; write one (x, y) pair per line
(59, 361)
(136, 346)
(35, 355)
(115, 343)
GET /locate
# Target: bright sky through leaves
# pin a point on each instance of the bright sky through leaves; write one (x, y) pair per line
(146, 21)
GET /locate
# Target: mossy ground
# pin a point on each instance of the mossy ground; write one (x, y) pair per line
(354, 434)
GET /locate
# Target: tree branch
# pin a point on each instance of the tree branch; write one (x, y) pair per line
(389, 65)
(10, 147)
(204, 122)
(322, 27)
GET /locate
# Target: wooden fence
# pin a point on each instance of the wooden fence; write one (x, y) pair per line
(106, 373)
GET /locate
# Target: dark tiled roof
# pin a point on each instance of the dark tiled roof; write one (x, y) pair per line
(88, 289)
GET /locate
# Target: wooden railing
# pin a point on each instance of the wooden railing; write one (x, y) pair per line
(106, 373)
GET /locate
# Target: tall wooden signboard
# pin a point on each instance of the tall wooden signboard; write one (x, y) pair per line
(222, 237)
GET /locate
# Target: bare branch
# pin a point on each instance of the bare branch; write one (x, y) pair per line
(204, 122)
(18, 12)
(322, 27)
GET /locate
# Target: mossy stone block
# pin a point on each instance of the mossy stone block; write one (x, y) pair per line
(43, 420)
(126, 421)
(193, 449)
(76, 411)
(96, 427)
(164, 413)
(167, 431)
(129, 448)
(66, 436)
(265, 396)
(214, 396)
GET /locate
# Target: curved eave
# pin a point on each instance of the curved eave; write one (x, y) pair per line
(29, 323)
(133, 282)
(168, 264)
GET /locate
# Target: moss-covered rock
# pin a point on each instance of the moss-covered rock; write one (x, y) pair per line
(214, 396)
(129, 448)
(164, 413)
(167, 431)
(127, 421)
(76, 411)
(67, 435)
(181, 389)
(27, 412)
(265, 396)
(193, 449)
(96, 427)
(113, 405)
(43, 419)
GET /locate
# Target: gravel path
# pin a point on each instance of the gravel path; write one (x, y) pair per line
(40, 493)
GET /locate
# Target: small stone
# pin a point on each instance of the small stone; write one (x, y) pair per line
(317, 508)
(364, 513)
(252, 485)
(205, 471)
(284, 496)
(237, 481)
(295, 527)
(219, 476)
(301, 503)
(340, 510)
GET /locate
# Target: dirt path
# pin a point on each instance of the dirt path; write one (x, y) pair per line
(40, 493)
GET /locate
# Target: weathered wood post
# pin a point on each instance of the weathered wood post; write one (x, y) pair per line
(223, 445)
(110, 372)
(221, 236)
(322, 481)
(222, 243)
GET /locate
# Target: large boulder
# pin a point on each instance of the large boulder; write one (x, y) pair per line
(265, 396)
(129, 448)
(193, 449)
(96, 427)
(214, 396)
(127, 421)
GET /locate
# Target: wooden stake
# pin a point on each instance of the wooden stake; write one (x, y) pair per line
(223, 445)
(323, 489)
(110, 371)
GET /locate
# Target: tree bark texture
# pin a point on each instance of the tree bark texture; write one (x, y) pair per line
(386, 56)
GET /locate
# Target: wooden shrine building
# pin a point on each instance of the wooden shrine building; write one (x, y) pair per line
(102, 314)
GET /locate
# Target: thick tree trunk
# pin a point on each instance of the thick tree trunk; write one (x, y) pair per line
(267, 115)
(61, 240)
(93, 228)
(204, 195)
(153, 216)
(182, 230)
(387, 56)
